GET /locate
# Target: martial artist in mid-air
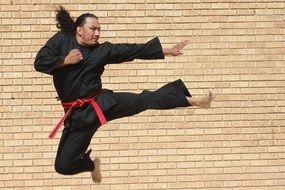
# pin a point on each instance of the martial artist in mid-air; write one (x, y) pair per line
(76, 60)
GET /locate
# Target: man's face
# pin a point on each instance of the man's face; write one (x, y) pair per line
(89, 33)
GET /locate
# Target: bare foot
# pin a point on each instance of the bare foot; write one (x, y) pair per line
(96, 173)
(205, 101)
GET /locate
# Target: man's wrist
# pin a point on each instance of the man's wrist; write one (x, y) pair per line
(166, 51)
(62, 63)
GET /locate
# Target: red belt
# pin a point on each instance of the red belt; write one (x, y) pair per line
(78, 103)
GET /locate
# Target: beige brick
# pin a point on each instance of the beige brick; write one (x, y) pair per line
(236, 45)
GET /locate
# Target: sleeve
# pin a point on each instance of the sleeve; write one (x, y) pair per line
(119, 53)
(49, 56)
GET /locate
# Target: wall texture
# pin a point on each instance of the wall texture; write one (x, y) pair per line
(238, 144)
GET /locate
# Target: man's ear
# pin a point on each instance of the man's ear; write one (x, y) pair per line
(79, 30)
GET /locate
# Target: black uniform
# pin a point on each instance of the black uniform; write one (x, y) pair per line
(83, 79)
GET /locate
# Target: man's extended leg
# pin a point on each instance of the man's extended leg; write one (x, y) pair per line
(172, 95)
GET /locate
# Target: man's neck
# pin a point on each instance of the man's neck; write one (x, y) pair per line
(79, 40)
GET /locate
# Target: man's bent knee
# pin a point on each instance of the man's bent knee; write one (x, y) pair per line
(62, 167)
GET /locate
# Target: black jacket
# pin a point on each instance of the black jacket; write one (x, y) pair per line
(84, 78)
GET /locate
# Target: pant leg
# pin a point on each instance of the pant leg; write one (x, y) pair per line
(169, 96)
(71, 155)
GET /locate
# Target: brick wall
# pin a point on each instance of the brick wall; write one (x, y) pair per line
(238, 144)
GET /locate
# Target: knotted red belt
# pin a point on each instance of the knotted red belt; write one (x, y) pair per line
(78, 103)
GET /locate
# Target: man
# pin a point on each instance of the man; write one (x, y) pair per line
(76, 61)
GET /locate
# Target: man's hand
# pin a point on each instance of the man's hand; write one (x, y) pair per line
(176, 50)
(73, 57)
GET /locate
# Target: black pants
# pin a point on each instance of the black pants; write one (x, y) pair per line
(71, 155)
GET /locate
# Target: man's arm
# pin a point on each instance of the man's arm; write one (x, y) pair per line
(118, 53)
(50, 56)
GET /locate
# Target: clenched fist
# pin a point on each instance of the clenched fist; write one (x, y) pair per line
(73, 57)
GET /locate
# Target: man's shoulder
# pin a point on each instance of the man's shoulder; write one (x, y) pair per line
(104, 44)
(61, 34)
(60, 38)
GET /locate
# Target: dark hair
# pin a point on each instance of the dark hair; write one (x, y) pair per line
(65, 22)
